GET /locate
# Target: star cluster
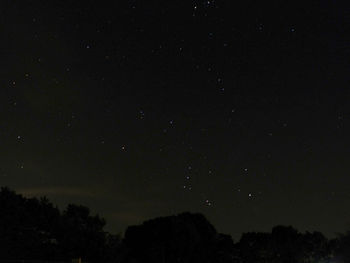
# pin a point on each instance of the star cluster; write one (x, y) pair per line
(148, 108)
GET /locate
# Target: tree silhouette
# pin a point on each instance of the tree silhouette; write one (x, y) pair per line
(287, 244)
(316, 248)
(255, 247)
(342, 250)
(81, 234)
(34, 229)
(27, 226)
(183, 238)
(284, 244)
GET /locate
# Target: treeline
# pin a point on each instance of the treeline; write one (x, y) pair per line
(35, 229)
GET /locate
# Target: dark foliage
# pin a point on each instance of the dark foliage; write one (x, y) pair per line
(34, 229)
(343, 247)
(183, 238)
(285, 244)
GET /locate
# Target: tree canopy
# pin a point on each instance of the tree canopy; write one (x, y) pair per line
(35, 229)
(32, 228)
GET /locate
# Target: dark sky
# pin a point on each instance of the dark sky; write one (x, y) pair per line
(235, 109)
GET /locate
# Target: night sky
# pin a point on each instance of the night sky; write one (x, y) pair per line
(137, 109)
